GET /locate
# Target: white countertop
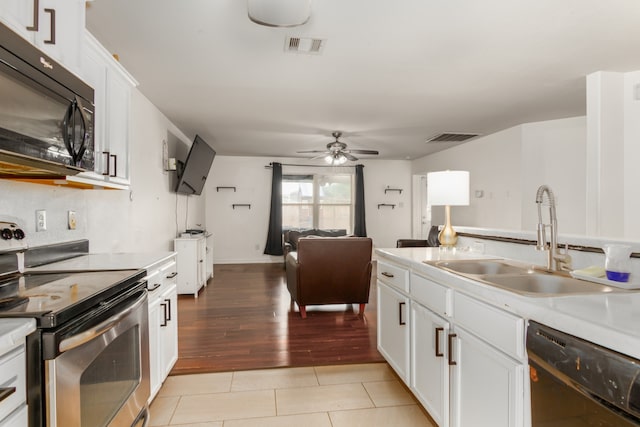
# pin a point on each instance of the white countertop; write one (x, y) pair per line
(611, 320)
(13, 332)
(108, 261)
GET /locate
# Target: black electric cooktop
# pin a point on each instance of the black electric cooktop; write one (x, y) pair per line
(54, 298)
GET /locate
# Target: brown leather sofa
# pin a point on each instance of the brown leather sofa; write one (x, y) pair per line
(330, 270)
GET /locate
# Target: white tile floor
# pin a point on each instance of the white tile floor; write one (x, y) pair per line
(327, 396)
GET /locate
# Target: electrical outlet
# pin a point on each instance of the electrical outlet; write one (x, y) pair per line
(71, 220)
(41, 220)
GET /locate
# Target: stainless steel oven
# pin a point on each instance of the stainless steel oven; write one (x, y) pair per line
(96, 368)
(88, 360)
(577, 383)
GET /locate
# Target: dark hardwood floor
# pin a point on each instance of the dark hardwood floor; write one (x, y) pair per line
(243, 320)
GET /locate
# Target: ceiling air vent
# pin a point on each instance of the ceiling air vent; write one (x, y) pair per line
(310, 46)
(452, 137)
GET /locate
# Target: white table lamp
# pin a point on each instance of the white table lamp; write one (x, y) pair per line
(448, 188)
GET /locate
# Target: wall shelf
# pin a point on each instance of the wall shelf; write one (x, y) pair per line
(386, 205)
(399, 190)
(226, 188)
(243, 205)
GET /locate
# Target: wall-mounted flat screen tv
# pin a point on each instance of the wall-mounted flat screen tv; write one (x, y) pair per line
(196, 168)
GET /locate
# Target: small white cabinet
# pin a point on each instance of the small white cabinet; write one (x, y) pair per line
(55, 27)
(192, 260)
(112, 86)
(163, 321)
(393, 329)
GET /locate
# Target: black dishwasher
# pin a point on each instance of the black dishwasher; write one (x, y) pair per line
(577, 383)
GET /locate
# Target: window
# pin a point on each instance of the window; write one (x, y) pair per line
(317, 201)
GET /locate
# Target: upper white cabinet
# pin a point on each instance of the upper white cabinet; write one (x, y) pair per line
(55, 27)
(112, 85)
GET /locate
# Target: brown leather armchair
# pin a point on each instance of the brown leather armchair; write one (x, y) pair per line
(328, 270)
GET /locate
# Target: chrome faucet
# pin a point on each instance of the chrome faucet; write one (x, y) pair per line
(556, 260)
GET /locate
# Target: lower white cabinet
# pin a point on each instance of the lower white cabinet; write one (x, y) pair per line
(487, 386)
(462, 358)
(429, 362)
(163, 323)
(192, 260)
(393, 329)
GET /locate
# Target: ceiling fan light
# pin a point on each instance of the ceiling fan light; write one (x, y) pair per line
(279, 13)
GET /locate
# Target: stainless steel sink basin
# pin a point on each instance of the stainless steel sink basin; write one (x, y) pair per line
(522, 278)
(481, 267)
(545, 284)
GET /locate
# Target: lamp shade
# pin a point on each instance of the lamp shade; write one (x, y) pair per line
(279, 13)
(448, 188)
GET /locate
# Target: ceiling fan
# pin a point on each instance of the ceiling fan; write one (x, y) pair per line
(337, 152)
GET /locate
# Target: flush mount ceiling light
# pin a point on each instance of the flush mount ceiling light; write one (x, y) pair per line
(279, 13)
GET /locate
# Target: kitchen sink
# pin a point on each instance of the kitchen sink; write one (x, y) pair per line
(522, 278)
(477, 267)
(545, 284)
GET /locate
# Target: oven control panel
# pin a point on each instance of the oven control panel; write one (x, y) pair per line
(12, 237)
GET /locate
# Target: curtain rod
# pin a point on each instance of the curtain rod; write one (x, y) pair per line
(270, 165)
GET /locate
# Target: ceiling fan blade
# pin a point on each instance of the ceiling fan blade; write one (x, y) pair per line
(321, 156)
(349, 156)
(313, 151)
(363, 151)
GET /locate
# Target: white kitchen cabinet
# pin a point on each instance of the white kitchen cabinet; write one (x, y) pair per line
(209, 266)
(55, 27)
(163, 322)
(192, 260)
(462, 358)
(393, 329)
(429, 362)
(112, 85)
(487, 386)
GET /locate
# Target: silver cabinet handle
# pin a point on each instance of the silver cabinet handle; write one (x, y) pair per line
(104, 327)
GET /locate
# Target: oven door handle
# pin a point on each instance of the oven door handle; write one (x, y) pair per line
(100, 329)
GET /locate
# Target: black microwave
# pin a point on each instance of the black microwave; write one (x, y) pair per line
(46, 114)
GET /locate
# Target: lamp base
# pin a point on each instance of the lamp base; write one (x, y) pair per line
(448, 236)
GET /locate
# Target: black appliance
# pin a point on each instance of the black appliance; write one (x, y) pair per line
(577, 383)
(46, 114)
(193, 174)
(91, 341)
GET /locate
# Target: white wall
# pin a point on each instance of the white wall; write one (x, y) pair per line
(143, 219)
(494, 169)
(509, 166)
(240, 234)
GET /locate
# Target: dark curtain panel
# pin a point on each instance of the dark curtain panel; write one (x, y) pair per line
(360, 227)
(274, 237)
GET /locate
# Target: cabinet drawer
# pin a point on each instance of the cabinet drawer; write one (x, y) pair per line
(13, 374)
(397, 277)
(169, 271)
(499, 328)
(431, 294)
